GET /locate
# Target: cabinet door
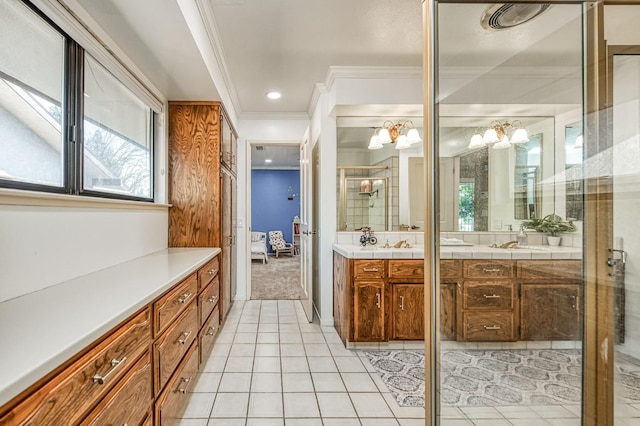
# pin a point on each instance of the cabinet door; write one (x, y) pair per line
(228, 243)
(193, 175)
(408, 311)
(368, 315)
(550, 312)
(448, 292)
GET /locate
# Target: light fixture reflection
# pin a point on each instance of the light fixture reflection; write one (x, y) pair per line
(498, 133)
(403, 134)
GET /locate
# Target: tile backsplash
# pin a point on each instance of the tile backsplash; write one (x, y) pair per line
(478, 238)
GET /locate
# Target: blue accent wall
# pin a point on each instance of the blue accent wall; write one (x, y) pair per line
(270, 208)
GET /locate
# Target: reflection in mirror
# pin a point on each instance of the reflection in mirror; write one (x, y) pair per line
(573, 172)
(363, 198)
(527, 194)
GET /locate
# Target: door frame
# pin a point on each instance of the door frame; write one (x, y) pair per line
(247, 220)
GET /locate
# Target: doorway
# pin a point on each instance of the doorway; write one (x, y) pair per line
(274, 196)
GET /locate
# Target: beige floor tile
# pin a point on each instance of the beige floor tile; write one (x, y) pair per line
(335, 405)
(322, 364)
(300, 405)
(370, 405)
(239, 364)
(235, 382)
(359, 382)
(295, 364)
(230, 405)
(199, 405)
(266, 382)
(292, 349)
(297, 382)
(266, 364)
(327, 382)
(265, 405)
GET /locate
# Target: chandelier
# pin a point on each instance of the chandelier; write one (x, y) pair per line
(403, 134)
(501, 134)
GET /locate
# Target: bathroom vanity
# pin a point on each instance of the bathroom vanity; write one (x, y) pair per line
(486, 295)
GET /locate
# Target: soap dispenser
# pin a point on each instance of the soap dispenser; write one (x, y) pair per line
(522, 238)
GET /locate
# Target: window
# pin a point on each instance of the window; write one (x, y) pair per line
(466, 206)
(86, 135)
(31, 96)
(117, 127)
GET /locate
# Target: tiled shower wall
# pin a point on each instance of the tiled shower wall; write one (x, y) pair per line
(363, 210)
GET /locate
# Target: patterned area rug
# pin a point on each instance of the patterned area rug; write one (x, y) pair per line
(498, 377)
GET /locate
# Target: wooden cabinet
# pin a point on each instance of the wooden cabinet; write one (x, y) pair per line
(368, 315)
(480, 300)
(487, 302)
(129, 403)
(171, 404)
(408, 311)
(202, 189)
(551, 300)
(146, 364)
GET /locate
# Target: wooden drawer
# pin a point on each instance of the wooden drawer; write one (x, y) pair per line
(450, 269)
(367, 269)
(488, 269)
(66, 398)
(491, 295)
(207, 335)
(173, 344)
(207, 273)
(409, 269)
(173, 303)
(550, 270)
(130, 400)
(488, 326)
(207, 300)
(172, 402)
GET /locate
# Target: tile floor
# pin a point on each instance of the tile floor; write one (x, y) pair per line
(269, 366)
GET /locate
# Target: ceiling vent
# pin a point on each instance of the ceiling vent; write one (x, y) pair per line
(508, 15)
(259, 148)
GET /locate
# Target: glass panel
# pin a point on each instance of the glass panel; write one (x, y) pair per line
(31, 93)
(509, 319)
(623, 156)
(117, 136)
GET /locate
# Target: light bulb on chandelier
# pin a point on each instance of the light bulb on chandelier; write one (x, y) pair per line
(402, 134)
(498, 133)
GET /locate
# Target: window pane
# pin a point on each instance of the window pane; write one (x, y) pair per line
(31, 87)
(117, 137)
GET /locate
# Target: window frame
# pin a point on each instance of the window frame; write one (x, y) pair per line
(72, 126)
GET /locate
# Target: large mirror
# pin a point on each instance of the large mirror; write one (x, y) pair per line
(481, 189)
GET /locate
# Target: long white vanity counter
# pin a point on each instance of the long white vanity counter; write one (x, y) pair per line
(378, 251)
(43, 329)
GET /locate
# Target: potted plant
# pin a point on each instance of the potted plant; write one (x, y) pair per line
(553, 225)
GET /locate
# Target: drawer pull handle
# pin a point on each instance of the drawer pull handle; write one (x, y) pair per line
(402, 303)
(492, 327)
(101, 380)
(212, 272)
(212, 299)
(370, 269)
(186, 335)
(491, 296)
(211, 331)
(378, 300)
(491, 269)
(186, 381)
(184, 298)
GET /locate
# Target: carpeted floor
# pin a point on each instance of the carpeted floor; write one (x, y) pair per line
(279, 279)
(496, 377)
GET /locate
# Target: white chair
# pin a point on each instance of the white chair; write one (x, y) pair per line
(276, 239)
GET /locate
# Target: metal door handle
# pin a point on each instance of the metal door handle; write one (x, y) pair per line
(490, 270)
(402, 303)
(186, 335)
(378, 298)
(492, 327)
(370, 269)
(114, 364)
(184, 298)
(491, 296)
(186, 381)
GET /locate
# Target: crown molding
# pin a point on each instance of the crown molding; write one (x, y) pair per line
(318, 90)
(274, 116)
(336, 72)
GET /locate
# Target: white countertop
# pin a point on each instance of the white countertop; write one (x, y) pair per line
(41, 330)
(352, 251)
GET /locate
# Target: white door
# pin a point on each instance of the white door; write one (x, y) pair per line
(306, 228)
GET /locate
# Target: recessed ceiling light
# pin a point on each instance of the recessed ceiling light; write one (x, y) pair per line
(274, 95)
(268, 160)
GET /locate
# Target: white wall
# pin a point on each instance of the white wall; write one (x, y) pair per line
(42, 246)
(264, 131)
